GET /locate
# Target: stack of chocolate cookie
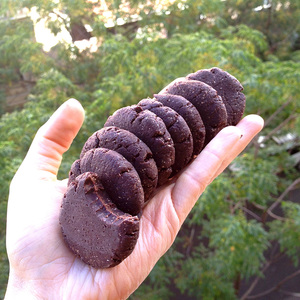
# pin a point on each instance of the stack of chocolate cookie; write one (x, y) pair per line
(140, 148)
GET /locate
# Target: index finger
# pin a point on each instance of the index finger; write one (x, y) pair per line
(213, 159)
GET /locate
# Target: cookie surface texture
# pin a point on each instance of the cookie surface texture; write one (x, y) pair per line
(152, 131)
(74, 171)
(178, 129)
(140, 148)
(92, 226)
(132, 148)
(228, 87)
(118, 177)
(190, 114)
(208, 103)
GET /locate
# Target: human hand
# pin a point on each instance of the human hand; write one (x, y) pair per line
(41, 265)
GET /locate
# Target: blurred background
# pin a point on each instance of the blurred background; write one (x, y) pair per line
(242, 239)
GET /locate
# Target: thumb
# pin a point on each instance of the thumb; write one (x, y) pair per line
(34, 195)
(52, 140)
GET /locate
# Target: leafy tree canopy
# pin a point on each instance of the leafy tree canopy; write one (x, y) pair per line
(147, 46)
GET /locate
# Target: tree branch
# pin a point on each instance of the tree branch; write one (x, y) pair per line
(254, 283)
(190, 244)
(275, 216)
(286, 121)
(61, 18)
(254, 215)
(267, 122)
(279, 110)
(290, 293)
(256, 280)
(281, 197)
(276, 287)
(251, 213)
(261, 207)
(269, 19)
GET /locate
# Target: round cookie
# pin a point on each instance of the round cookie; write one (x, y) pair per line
(178, 129)
(152, 131)
(209, 104)
(93, 228)
(132, 148)
(119, 178)
(190, 114)
(228, 87)
(74, 171)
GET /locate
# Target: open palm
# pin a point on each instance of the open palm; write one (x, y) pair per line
(42, 267)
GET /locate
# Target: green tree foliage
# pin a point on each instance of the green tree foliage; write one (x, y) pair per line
(224, 239)
(289, 243)
(19, 54)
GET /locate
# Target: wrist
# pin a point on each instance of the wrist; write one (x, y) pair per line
(19, 289)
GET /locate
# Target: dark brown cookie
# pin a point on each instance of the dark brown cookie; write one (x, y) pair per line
(178, 129)
(228, 87)
(74, 171)
(132, 148)
(106, 185)
(190, 114)
(152, 131)
(94, 229)
(118, 176)
(209, 104)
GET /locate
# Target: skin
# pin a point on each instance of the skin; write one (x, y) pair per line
(42, 267)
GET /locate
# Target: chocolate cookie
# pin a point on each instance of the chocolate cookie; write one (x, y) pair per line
(152, 131)
(209, 104)
(178, 129)
(116, 172)
(190, 114)
(228, 87)
(94, 229)
(118, 177)
(74, 171)
(132, 148)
